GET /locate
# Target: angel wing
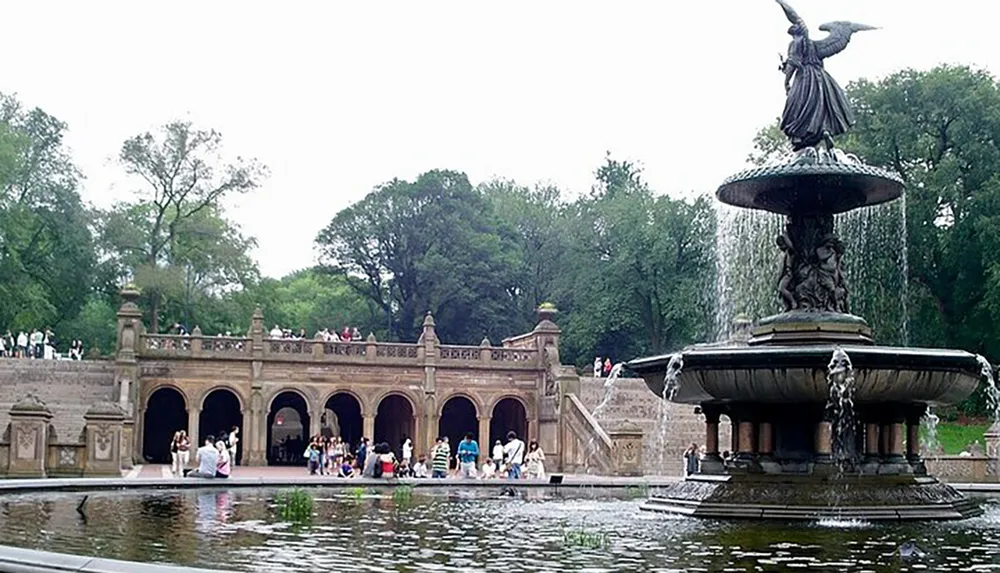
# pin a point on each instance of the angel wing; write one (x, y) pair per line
(791, 14)
(840, 36)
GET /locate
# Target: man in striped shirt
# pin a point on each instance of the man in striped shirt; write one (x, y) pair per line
(440, 456)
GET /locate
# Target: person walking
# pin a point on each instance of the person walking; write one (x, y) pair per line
(175, 459)
(498, 455)
(536, 461)
(234, 438)
(468, 456)
(407, 456)
(183, 451)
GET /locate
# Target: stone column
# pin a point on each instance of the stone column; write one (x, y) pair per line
(871, 441)
(745, 442)
(824, 440)
(765, 439)
(896, 440)
(104, 423)
(255, 453)
(913, 435)
(194, 417)
(368, 428)
(884, 437)
(29, 438)
(711, 463)
(128, 435)
(484, 436)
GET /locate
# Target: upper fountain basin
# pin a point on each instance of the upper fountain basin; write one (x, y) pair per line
(810, 188)
(798, 374)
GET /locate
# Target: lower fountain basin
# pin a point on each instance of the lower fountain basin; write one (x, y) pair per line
(868, 498)
(797, 374)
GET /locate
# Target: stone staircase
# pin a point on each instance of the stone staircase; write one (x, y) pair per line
(632, 403)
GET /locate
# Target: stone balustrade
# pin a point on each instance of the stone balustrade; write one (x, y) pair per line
(317, 350)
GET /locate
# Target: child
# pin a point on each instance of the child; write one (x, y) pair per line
(420, 468)
(346, 468)
(489, 470)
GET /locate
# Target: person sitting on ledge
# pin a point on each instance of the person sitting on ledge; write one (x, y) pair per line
(208, 460)
(223, 466)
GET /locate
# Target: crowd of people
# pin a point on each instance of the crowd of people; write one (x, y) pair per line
(348, 334)
(333, 457)
(37, 344)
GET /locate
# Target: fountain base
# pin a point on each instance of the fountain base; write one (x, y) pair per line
(870, 498)
(803, 327)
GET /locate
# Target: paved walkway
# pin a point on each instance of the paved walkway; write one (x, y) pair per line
(269, 474)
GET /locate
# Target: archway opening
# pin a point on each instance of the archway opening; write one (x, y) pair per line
(219, 413)
(342, 417)
(458, 417)
(394, 422)
(287, 430)
(508, 415)
(165, 414)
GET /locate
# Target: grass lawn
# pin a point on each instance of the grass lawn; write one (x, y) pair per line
(955, 437)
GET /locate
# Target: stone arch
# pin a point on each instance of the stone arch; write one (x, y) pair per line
(415, 403)
(203, 395)
(221, 409)
(165, 411)
(285, 444)
(283, 390)
(480, 408)
(149, 391)
(362, 400)
(508, 412)
(459, 416)
(395, 419)
(342, 415)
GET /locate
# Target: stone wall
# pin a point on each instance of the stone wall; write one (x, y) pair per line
(68, 388)
(631, 400)
(962, 469)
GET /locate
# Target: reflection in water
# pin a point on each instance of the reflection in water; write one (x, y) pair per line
(478, 530)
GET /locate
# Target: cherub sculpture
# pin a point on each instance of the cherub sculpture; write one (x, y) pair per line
(816, 108)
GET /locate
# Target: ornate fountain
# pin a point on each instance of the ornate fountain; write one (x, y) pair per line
(807, 443)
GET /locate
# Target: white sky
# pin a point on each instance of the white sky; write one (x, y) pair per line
(336, 97)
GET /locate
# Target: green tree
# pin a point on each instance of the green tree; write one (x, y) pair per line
(643, 269)
(535, 218)
(433, 244)
(183, 179)
(47, 261)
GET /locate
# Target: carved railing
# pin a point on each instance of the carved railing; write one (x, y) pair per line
(296, 349)
(595, 443)
(225, 344)
(344, 348)
(460, 353)
(394, 350)
(528, 355)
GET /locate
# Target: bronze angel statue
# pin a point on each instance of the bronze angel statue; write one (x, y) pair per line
(816, 108)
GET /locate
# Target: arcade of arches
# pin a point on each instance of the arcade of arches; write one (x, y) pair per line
(291, 420)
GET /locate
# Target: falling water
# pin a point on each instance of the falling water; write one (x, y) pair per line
(875, 266)
(992, 393)
(670, 383)
(840, 405)
(609, 388)
(929, 440)
(747, 263)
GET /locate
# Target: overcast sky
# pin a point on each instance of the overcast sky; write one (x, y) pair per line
(336, 97)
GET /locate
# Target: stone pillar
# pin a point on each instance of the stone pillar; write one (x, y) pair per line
(194, 418)
(711, 463)
(128, 438)
(368, 429)
(872, 440)
(484, 435)
(913, 435)
(765, 439)
(626, 449)
(315, 422)
(824, 440)
(129, 330)
(896, 440)
(29, 438)
(255, 452)
(104, 424)
(427, 353)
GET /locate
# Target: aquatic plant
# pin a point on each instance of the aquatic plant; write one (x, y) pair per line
(295, 505)
(402, 494)
(584, 537)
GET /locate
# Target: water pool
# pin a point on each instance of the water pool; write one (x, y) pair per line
(427, 529)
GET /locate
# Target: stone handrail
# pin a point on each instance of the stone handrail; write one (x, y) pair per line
(187, 346)
(596, 442)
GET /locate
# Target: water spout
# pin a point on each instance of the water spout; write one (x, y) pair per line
(609, 387)
(840, 405)
(930, 439)
(992, 393)
(670, 383)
